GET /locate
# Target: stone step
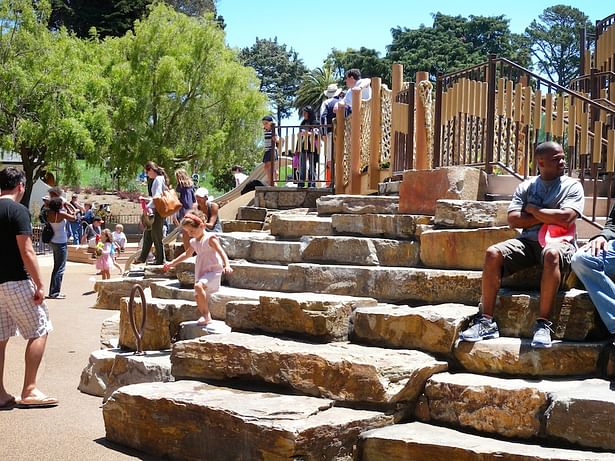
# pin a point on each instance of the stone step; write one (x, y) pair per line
(279, 252)
(192, 329)
(577, 411)
(288, 198)
(299, 314)
(367, 376)
(357, 204)
(420, 441)
(515, 357)
(288, 226)
(252, 213)
(471, 214)
(428, 328)
(395, 226)
(237, 245)
(241, 226)
(110, 331)
(109, 369)
(111, 291)
(192, 420)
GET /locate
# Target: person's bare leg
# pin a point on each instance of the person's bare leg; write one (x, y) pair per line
(491, 280)
(34, 354)
(200, 292)
(549, 283)
(5, 397)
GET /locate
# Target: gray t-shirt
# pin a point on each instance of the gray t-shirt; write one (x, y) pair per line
(559, 193)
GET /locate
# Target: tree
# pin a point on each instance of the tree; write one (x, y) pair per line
(52, 98)
(280, 72)
(368, 61)
(180, 95)
(555, 42)
(313, 85)
(453, 43)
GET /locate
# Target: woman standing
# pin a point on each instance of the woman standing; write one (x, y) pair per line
(58, 217)
(270, 154)
(157, 182)
(309, 140)
(185, 192)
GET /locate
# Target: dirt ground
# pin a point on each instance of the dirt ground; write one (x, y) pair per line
(118, 205)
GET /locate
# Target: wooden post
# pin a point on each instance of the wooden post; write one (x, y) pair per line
(375, 135)
(355, 143)
(340, 127)
(491, 90)
(420, 139)
(397, 83)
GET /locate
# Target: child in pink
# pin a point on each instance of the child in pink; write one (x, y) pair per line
(211, 262)
(104, 254)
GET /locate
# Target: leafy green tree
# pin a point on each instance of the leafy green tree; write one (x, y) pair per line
(453, 43)
(555, 42)
(280, 72)
(52, 98)
(313, 85)
(367, 60)
(180, 96)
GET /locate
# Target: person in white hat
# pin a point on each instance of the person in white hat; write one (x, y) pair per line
(327, 114)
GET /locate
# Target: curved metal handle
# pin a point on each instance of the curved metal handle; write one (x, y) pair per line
(138, 332)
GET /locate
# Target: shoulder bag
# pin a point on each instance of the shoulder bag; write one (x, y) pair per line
(167, 203)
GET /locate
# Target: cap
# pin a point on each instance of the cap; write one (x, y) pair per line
(202, 192)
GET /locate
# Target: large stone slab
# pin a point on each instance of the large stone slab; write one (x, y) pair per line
(274, 251)
(110, 369)
(187, 420)
(192, 329)
(396, 226)
(111, 291)
(172, 289)
(237, 245)
(289, 226)
(241, 226)
(184, 271)
(357, 204)
(584, 415)
(513, 356)
(163, 318)
(421, 189)
(305, 314)
(460, 248)
(395, 284)
(471, 214)
(268, 277)
(419, 441)
(341, 371)
(252, 213)
(428, 328)
(110, 331)
(361, 251)
(574, 316)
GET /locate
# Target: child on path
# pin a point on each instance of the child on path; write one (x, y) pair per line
(104, 254)
(211, 262)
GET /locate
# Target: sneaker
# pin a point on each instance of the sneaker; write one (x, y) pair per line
(481, 328)
(542, 334)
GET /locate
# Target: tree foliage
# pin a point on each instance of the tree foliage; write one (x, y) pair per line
(52, 98)
(453, 43)
(313, 85)
(367, 60)
(280, 72)
(555, 42)
(180, 95)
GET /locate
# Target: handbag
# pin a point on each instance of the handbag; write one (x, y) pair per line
(167, 203)
(47, 233)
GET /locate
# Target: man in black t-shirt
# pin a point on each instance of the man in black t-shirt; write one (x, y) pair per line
(21, 291)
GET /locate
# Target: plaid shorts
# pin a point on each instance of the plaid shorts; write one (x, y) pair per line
(19, 314)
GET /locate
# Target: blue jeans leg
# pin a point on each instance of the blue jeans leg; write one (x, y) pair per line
(595, 273)
(60, 254)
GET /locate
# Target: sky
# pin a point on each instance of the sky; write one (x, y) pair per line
(314, 27)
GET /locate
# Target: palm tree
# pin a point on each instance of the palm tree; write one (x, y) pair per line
(312, 86)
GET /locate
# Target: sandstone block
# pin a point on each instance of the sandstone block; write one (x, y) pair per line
(262, 277)
(428, 328)
(361, 251)
(470, 214)
(95, 375)
(516, 357)
(389, 188)
(574, 316)
(195, 421)
(281, 252)
(396, 226)
(341, 371)
(172, 289)
(421, 189)
(237, 244)
(110, 331)
(252, 213)
(357, 204)
(191, 330)
(241, 226)
(163, 318)
(112, 290)
(419, 441)
(296, 226)
(460, 248)
(305, 314)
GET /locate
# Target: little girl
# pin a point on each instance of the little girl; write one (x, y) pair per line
(211, 262)
(104, 254)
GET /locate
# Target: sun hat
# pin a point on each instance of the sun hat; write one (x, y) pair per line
(202, 192)
(554, 233)
(332, 90)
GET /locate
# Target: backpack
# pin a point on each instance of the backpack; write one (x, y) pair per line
(326, 118)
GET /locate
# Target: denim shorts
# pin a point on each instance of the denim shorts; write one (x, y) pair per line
(520, 253)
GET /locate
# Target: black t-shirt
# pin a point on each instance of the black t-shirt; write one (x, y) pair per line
(14, 220)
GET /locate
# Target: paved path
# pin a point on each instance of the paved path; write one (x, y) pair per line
(74, 430)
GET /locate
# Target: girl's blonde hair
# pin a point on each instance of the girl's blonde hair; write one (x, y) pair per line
(106, 233)
(194, 219)
(183, 180)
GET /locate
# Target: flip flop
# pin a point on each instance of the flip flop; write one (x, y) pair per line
(8, 405)
(37, 402)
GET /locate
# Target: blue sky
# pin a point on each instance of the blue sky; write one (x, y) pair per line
(313, 27)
